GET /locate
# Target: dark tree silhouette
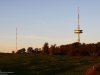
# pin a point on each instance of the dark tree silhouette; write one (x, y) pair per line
(45, 48)
(13, 51)
(21, 50)
(52, 49)
(30, 50)
(74, 49)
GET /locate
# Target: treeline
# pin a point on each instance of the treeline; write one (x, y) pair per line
(74, 49)
(29, 50)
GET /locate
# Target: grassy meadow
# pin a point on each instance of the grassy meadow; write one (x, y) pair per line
(39, 64)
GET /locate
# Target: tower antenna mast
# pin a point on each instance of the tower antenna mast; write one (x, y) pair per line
(78, 19)
(78, 31)
(16, 38)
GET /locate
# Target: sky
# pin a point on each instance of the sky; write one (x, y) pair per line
(52, 21)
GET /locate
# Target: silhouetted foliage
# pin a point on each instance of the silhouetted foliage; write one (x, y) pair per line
(21, 50)
(45, 48)
(13, 51)
(30, 50)
(74, 49)
(36, 49)
(52, 49)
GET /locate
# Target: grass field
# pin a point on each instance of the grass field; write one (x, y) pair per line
(38, 64)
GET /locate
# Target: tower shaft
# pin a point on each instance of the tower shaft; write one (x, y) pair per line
(16, 38)
(78, 37)
(78, 20)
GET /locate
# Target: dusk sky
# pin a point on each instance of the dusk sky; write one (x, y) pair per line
(52, 21)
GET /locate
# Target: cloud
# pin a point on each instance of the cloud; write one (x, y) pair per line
(47, 38)
(41, 22)
(35, 37)
(39, 37)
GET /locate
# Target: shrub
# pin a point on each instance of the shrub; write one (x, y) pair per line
(93, 70)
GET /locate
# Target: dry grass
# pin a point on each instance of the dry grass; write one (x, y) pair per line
(94, 70)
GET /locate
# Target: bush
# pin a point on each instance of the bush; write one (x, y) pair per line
(94, 70)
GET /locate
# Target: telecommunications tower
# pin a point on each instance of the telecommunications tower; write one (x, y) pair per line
(78, 31)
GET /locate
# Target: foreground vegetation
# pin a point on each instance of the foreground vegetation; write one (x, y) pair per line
(40, 64)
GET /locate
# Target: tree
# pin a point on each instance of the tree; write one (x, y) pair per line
(52, 49)
(30, 50)
(45, 48)
(21, 50)
(36, 49)
(13, 51)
